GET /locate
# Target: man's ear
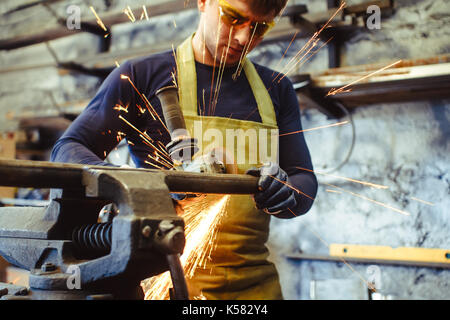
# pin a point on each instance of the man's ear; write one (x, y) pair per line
(201, 4)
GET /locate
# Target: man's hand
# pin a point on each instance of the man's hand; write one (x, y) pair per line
(275, 195)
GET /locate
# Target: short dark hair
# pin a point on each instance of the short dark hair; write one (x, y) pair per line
(267, 6)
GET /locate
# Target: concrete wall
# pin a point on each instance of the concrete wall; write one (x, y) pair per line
(402, 146)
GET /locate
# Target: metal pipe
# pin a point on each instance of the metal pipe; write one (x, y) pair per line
(42, 174)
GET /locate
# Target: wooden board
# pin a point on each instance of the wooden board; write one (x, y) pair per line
(7, 151)
(411, 254)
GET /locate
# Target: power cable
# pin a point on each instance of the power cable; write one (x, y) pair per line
(352, 146)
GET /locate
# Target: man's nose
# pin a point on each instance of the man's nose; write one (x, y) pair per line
(243, 35)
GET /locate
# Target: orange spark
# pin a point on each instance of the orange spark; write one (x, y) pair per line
(369, 285)
(99, 21)
(310, 44)
(289, 186)
(145, 12)
(220, 73)
(251, 113)
(150, 108)
(244, 53)
(371, 200)
(423, 201)
(163, 152)
(303, 59)
(202, 217)
(344, 88)
(119, 107)
(141, 110)
(311, 129)
(160, 162)
(142, 135)
(214, 68)
(161, 149)
(292, 212)
(285, 51)
(129, 13)
(332, 191)
(160, 168)
(120, 135)
(373, 185)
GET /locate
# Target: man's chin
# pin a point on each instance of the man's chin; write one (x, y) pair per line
(232, 61)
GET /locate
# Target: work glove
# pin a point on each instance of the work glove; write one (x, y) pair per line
(275, 194)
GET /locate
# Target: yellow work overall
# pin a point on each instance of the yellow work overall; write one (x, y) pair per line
(238, 268)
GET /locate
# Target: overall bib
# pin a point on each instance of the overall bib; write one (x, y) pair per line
(238, 268)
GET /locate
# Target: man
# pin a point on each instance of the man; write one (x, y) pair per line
(247, 100)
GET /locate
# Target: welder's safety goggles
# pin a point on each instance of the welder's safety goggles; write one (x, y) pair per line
(232, 18)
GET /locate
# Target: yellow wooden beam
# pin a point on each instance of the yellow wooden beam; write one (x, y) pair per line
(412, 254)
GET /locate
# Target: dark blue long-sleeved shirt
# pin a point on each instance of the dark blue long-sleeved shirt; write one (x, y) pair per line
(98, 129)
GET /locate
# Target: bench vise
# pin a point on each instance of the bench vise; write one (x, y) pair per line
(145, 237)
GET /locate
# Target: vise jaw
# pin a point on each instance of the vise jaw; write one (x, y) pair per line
(144, 238)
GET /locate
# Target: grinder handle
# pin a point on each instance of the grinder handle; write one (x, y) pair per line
(173, 116)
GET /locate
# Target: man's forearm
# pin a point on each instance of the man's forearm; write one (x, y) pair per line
(74, 152)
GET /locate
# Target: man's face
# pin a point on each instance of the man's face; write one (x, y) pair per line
(220, 34)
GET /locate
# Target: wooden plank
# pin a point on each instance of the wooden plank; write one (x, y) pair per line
(7, 151)
(411, 254)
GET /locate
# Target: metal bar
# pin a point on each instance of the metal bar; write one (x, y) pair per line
(211, 183)
(24, 173)
(178, 279)
(41, 174)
